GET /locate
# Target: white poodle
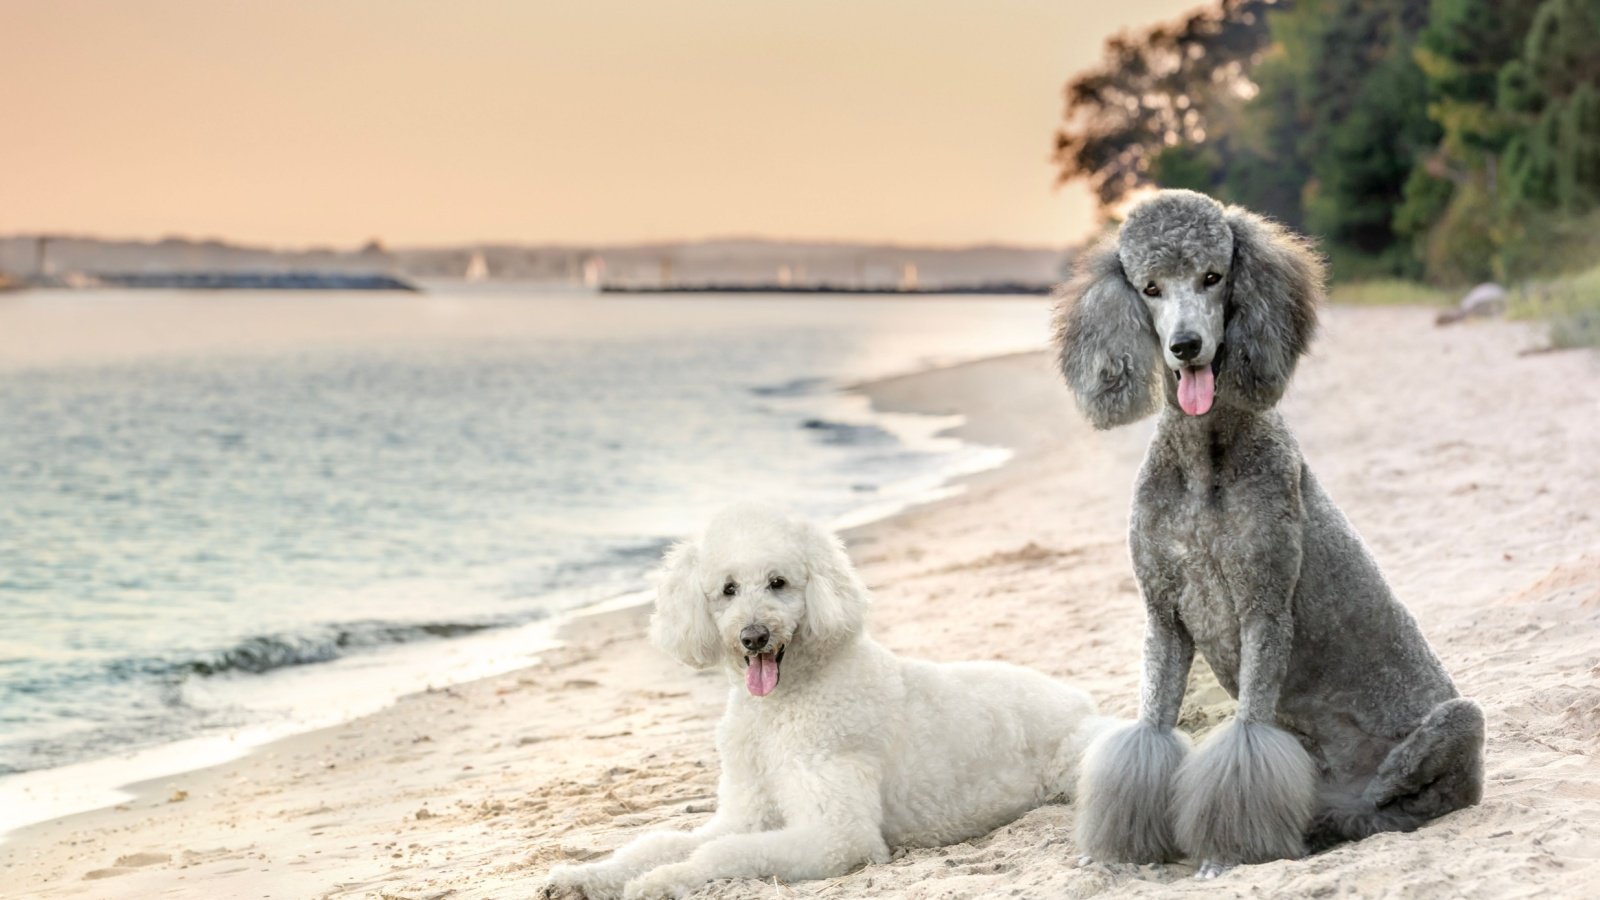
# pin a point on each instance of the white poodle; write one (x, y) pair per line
(833, 749)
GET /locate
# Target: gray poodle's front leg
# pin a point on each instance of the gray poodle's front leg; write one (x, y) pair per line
(1168, 654)
(1125, 789)
(1248, 794)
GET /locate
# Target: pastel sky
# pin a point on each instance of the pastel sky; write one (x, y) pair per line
(295, 122)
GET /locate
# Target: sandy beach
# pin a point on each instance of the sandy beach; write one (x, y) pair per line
(1468, 464)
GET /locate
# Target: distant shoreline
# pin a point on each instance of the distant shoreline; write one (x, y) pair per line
(743, 262)
(1003, 288)
(205, 280)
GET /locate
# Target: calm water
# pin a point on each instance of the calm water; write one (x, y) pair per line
(212, 533)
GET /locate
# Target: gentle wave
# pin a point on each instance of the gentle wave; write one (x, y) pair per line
(265, 653)
(795, 387)
(260, 654)
(848, 433)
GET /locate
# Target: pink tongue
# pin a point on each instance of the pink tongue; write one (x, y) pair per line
(1195, 388)
(761, 676)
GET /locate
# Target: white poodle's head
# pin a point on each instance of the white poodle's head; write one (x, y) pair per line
(758, 591)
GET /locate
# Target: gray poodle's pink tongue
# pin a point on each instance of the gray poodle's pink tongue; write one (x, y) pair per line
(761, 675)
(1196, 387)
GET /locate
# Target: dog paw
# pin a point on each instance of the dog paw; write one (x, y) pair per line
(663, 883)
(576, 883)
(1210, 869)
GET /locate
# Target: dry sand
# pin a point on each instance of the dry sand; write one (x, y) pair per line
(1473, 471)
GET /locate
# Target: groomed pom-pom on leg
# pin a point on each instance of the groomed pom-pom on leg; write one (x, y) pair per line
(1125, 795)
(1245, 796)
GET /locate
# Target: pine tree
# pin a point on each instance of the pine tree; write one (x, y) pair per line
(1553, 158)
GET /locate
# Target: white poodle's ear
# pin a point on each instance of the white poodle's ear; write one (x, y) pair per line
(1106, 344)
(682, 625)
(836, 600)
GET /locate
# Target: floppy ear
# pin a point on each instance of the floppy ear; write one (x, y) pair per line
(836, 600)
(1274, 289)
(682, 625)
(1106, 342)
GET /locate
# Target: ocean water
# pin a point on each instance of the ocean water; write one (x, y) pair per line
(262, 527)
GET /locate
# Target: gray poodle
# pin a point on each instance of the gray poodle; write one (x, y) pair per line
(1347, 723)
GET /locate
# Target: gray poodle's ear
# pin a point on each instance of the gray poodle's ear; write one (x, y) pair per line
(682, 625)
(1274, 289)
(1106, 342)
(836, 600)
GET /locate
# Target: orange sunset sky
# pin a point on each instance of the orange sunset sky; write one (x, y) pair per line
(295, 122)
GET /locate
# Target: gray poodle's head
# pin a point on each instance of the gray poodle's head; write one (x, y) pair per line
(761, 593)
(1192, 301)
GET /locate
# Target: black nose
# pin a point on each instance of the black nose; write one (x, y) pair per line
(1186, 345)
(754, 637)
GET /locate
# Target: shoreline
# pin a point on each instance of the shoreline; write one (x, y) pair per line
(275, 705)
(156, 783)
(100, 783)
(1479, 510)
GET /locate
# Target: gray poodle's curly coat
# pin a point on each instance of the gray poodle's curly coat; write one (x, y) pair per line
(1347, 724)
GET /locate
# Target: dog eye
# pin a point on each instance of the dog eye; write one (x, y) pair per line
(1150, 290)
(1212, 278)
(729, 589)
(777, 583)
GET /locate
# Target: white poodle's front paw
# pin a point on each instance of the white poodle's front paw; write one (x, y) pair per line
(663, 883)
(567, 882)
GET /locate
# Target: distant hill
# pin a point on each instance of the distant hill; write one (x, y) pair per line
(67, 254)
(730, 261)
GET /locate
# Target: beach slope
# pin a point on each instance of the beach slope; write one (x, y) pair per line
(1468, 465)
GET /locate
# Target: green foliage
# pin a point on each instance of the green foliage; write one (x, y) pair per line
(1190, 166)
(1450, 139)
(1530, 166)
(1361, 180)
(1553, 161)
(1463, 50)
(1266, 168)
(1153, 91)
(1560, 49)
(1570, 304)
(1460, 248)
(1424, 199)
(1535, 245)
(1390, 292)
(1578, 162)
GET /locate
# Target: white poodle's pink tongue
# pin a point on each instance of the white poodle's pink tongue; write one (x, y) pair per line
(1195, 389)
(761, 676)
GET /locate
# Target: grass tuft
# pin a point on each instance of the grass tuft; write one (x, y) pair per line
(1391, 292)
(1571, 304)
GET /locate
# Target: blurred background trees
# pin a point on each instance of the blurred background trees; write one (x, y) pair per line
(1451, 140)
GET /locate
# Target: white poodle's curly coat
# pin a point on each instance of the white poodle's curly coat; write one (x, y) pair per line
(833, 749)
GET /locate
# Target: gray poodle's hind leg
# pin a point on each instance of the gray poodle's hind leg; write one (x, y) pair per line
(1125, 795)
(1448, 742)
(1437, 769)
